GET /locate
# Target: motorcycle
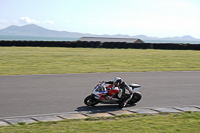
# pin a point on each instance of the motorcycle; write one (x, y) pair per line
(100, 95)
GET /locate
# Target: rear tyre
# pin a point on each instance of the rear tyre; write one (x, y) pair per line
(90, 100)
(136, 98)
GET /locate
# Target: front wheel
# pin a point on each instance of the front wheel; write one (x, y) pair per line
(90, 100)
(136, 98)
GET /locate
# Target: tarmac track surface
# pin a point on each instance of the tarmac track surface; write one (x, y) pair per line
(46, 94)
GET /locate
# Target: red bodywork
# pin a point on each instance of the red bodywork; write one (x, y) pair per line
(112, 92)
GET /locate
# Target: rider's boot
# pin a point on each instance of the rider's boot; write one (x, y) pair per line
(125, 101)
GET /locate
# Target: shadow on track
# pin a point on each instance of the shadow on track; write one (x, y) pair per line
(101, 108)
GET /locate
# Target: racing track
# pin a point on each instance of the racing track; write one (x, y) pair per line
(45, 94)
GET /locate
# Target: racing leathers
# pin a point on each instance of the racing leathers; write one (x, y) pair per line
(125, 90)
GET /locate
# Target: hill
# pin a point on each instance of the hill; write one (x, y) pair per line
(35, 30)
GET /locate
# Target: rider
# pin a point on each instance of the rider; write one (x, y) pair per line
(117, 84)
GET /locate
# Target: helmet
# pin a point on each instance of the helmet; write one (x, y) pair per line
(117, 81)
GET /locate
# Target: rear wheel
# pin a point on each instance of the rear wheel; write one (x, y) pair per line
(90, 100)
(136, 98)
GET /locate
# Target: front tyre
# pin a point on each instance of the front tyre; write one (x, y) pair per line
(136, 98)
(90, 100)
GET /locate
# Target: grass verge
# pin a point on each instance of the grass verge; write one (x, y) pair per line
(42, 60)
(138, 123)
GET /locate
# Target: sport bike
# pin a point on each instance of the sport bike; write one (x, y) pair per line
(100, 95)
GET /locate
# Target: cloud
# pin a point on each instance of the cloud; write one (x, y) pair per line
(26, 20)
(2, 21)
(48, 22)
(90, 23)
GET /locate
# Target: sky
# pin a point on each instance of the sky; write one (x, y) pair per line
(153, 18)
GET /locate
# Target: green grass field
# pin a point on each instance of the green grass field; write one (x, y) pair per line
(42, 60)
(170, 123)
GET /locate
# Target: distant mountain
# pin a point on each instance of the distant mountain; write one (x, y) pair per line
(35, 30)
(181, 38)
